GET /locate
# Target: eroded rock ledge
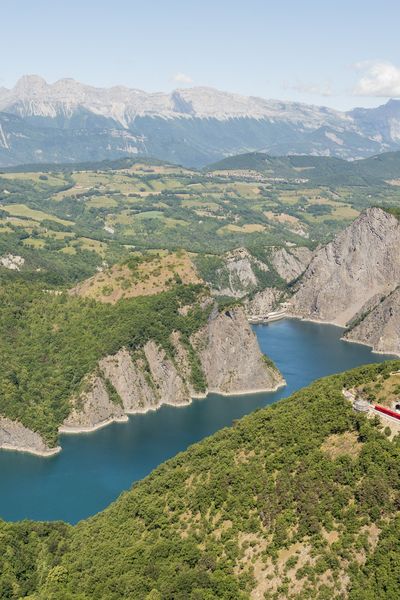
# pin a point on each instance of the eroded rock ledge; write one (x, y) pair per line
(14, 436)
(128, 383)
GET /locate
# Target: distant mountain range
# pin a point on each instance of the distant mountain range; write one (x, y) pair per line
(68, 121)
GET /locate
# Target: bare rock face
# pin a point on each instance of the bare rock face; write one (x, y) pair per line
(140, 382)
(14, 436)
(168, 381)
(361, 263)
(131, 380)
(92, 409)
(230, 356)
(262, 303)
(380, 328)
(241, 278)
(242, 272)
(128, 383)
(290, 264)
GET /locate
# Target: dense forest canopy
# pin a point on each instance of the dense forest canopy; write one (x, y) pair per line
(297, 500)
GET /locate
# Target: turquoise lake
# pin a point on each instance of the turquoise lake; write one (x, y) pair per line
(93, 469)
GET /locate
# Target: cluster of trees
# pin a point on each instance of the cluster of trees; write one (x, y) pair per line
(266, 485)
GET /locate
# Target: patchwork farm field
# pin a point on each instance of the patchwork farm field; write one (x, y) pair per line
(90, 216)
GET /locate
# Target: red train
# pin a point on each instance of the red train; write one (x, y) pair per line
(387, 411)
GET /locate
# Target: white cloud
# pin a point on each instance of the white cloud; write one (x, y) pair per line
(182, 78)
(380, 79)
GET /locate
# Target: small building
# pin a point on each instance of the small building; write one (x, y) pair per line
(361, 405)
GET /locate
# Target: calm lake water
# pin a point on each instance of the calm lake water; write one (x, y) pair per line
(93, 469)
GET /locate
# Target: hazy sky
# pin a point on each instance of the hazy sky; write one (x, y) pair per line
(334, 52)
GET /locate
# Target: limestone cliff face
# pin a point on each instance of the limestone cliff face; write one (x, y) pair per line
(14, 436)
(240, 274)
(290, 263)
(360, 264)
(128, 383)
(93, 408)
(230, 356)
(380, 328)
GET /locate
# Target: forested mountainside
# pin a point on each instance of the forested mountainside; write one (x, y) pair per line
(70, 122)
(353, 281)
(297, 500)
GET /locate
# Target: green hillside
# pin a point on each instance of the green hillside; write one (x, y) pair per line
(297, 500)
(318, 169)
(66, 221)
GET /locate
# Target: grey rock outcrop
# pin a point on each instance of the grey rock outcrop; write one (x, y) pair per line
(238, 274)
(242, 272)
(229, 354)
(380, 328)
(231, 358)
(93, 408)
(14, 436)
(360, 264)
(12, 262)
(291, 263)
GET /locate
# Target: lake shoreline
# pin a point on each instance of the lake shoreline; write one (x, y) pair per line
(25, 450)
(67, 430)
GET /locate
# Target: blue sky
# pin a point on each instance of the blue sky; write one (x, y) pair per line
(338, 53)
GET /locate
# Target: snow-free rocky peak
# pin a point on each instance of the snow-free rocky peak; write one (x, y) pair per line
(352, 273)
(33, 96)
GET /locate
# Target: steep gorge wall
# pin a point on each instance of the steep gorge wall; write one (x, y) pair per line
(127, 383)
(231, 358)
(361, 263)
(380, 328)
(244, 273)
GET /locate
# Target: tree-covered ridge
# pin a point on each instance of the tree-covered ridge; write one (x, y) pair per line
(50, 340)
(318, 169)
(297, 500)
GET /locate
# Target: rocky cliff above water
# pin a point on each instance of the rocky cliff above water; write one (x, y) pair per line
(14, 436)
(360, 264)
(380, 328)
(243, 273)
(354, 282)
(231, 358)
(263, 303)
(135, 383)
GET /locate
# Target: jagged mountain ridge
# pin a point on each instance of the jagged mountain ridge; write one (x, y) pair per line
(32, 96)
(192, 126)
